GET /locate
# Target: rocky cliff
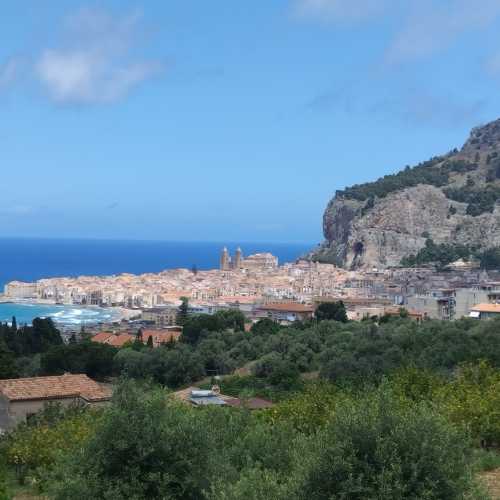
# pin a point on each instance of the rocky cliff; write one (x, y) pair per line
(451, 199)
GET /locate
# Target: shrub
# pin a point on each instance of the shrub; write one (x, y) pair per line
(376, 448)
(33, 449)
(278, 371)
(145, 447)
(473, 400)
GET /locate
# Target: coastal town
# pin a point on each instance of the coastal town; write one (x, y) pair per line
(260, 287)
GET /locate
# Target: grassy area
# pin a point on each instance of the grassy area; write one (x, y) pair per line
(21, 491)
(487, 460)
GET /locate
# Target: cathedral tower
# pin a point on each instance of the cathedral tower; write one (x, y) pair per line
(225, 260)
(238, 258)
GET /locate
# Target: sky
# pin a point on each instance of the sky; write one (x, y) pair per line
(227, 121)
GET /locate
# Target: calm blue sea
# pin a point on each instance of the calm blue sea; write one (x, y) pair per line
(32, 259)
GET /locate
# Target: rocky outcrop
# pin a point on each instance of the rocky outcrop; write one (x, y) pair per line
(379, 223)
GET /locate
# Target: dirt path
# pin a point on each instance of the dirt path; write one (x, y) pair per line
(492, 481)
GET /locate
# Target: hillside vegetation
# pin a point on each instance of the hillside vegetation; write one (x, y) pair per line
(401, 410)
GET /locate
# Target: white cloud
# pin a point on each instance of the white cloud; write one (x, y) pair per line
(425, 27)
(340, 10)
(87, 77)
(94, 63)
(434, 25)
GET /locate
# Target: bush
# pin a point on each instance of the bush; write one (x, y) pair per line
(33, 449)
(145, 447)
(472, 399)
(278, 371)
(376, 448)
(308, 411)
(4, 492)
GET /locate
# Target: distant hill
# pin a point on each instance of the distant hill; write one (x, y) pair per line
(445, 205)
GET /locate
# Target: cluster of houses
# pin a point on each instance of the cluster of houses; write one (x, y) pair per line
(20, 399)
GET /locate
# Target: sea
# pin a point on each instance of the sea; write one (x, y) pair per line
(28, 259)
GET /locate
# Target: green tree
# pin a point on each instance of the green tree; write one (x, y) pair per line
(4, 491)
(182, 314)
(92, 358)
(146, 446)
(265, 327)
(8, 367)
(335, 311)
(277, 370)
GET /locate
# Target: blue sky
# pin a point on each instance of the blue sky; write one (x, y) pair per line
(235, 121)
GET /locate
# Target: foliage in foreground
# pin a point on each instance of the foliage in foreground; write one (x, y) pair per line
(148, 446)
(33, 448)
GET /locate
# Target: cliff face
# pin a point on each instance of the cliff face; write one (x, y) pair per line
(451, 199)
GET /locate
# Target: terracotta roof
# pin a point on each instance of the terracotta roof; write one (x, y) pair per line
(160, 336)
(120, 340)
(102, 336)
(288, 307)
(114, 339)
(487, 308)
(64, 386)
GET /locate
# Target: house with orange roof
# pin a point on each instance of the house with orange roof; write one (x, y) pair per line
(23, 397)
(160, 337)
(119, 339)
(485, 311)
(285, 312)
(115, 339)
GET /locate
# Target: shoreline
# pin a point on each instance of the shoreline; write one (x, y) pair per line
(123, 313)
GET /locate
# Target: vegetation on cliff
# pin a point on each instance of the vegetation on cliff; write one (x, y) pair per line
(443, 254)
(479, 199)
(435, 172)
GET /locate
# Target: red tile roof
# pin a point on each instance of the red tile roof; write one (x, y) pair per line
(120, 340)
(64, 386)
(486, 308)
(160, 336)
(288, 307)
(102, 337)
(114, 339)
